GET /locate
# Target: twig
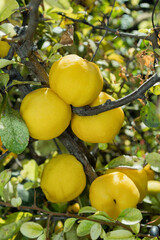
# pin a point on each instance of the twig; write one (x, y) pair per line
(110, 30)
(108, 105)
(4, 155)
(48, 223)
(66, 215)
(99, 43)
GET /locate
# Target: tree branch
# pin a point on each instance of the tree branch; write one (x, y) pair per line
(108, 105)
(109, 30)
(74, 148)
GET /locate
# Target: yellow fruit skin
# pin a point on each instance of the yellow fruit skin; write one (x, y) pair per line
(149, 171)
(100, 128)
(113, 193)
(138, 176)
(46, 115)
(153, 187)
(63, 178)
(4, 49)
(77, 81)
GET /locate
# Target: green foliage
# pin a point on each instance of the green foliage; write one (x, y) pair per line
(13, 130)
(150, 115)
(126, 59)
(7, 8)
(31, 229)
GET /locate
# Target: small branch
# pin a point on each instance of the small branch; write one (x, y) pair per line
(108, 105)
(48, 223)
(153, 12)
(66, 215)
(99, 43)
(109, 30)
(4, 155)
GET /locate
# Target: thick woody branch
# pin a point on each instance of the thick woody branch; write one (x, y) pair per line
(74, 148)
(108, 105)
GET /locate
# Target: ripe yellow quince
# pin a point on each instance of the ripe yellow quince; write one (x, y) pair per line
(113, 193)
(63, 178)
(153, 187)
(4, 49)
(100, 128)
(76, 80)
(149, 171)
(138, 176)
(46, 115)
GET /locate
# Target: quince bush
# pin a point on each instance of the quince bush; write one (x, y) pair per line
(56, 163)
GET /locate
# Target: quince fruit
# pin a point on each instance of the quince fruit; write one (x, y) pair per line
(76, 80)
(4, 49)
(100, 128)
(149, 171)
(63, 178)
(45, 114)
(138, 176)
(113, 193)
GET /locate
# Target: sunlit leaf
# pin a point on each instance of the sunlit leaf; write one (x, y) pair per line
(4, 178)
(31, 229)
(7, 8)
(87, 209)
(8, 29)
(119, 235)
(69, 224)
(5, 62)
(16, 202)
(130, 216)
(13, 224)
(84, 228)
(95, 231)
(154, 160)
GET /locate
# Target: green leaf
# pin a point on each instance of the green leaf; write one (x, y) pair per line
(13, 224)
(150, 116)
(4, 179)
(87, 209)
(154, 160)
(135, 228)
(60, 4)
(100, 215)
(84, 228)
(13, 131)
(30, 169)
(56, 47)
(31, 229)
(157, 50)
(123, 160)
(42, 237)
(130, 216)
(72, 234)
(69, 224)
(16, 202)
(58, 236)
(92, 45)
(7, 8)
(8, 29)
(4, 78)
(95, 231)
(5, 62)
(102, 146)
(119, 235)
